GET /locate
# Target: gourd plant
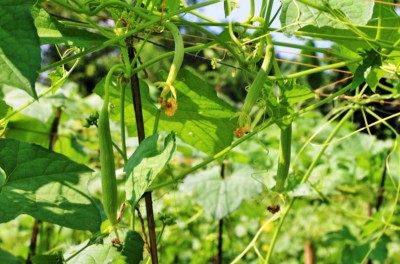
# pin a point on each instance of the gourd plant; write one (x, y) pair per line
(185, 111)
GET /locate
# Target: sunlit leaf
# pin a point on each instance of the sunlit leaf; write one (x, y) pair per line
(130, 251)
(51, 31)
(218, 196)
(296, 15)
(7, 257)
(145, 164)
(45, 185)
(203, 120)
(19, 46)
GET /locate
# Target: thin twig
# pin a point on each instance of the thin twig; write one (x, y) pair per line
(137, 106)
(221, 224)
(146, 243)
(35, 229)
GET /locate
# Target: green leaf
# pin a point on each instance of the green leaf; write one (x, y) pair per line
(380, 252)
(355, 253)
(341, 237)
(218, 196)
(280, 105)
(381, 28)
(145, 164)
(5, 109)
(172, 5)
(25, 128)
(296, 15)
(56, 78)
(19, 46)
(48, 259)
(45, 185)
(372, 60)
(130, 251)
(203, 120)
(51, 31)
(6, 257)
(295, 93)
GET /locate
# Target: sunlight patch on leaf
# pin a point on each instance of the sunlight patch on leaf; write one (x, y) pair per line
(129, 251)
(218, 196)
(296, 15)
(45, 185)
(145, 164)
(19, 46)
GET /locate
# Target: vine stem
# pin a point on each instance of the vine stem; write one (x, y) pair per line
(47, 91)
(254, 240)
(214, 157)
(304, 179)
(137, 106)
(117, 39)
(221, 223)
(36, 226)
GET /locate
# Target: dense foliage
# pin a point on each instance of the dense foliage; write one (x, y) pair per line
(144, 131)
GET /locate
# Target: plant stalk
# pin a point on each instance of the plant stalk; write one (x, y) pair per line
(137, 107)
(304, 179)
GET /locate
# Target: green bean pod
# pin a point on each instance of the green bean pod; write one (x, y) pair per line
(177, 61)
(108, 179)
(284, 158)
(253, 94)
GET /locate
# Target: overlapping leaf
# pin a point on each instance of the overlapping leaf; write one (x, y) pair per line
(19, 46)
(296, 15)
(130, 251)
(218, 196)
(145, 164)
(51, 31)
(45, 185)
(203, 120)
(368, 24)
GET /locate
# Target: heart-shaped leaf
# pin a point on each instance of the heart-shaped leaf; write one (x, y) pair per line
(45, 185)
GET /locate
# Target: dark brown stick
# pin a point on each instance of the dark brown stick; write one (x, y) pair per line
(37, 223)
(137, 107)
(309, 254)
(379, 199)
(220, 224)
(33, 243)
(146, 243)
(381, 190)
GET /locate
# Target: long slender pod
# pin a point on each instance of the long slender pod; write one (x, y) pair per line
(108, 179)
(255, 88)
(284, 158)
(176, 63)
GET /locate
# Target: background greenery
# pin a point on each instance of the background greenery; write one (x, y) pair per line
(345, 211)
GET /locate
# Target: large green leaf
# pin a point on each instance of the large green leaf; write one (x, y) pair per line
(19, 46)
(45, 185)
(203, 120)
(220, 196)
(51, 31)
(6, 257)
(5, 109)
(370, 69)
(130, 251)
(48, 259)
(376, 24)
(296, 15)
(145, 164)
(281, 106)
